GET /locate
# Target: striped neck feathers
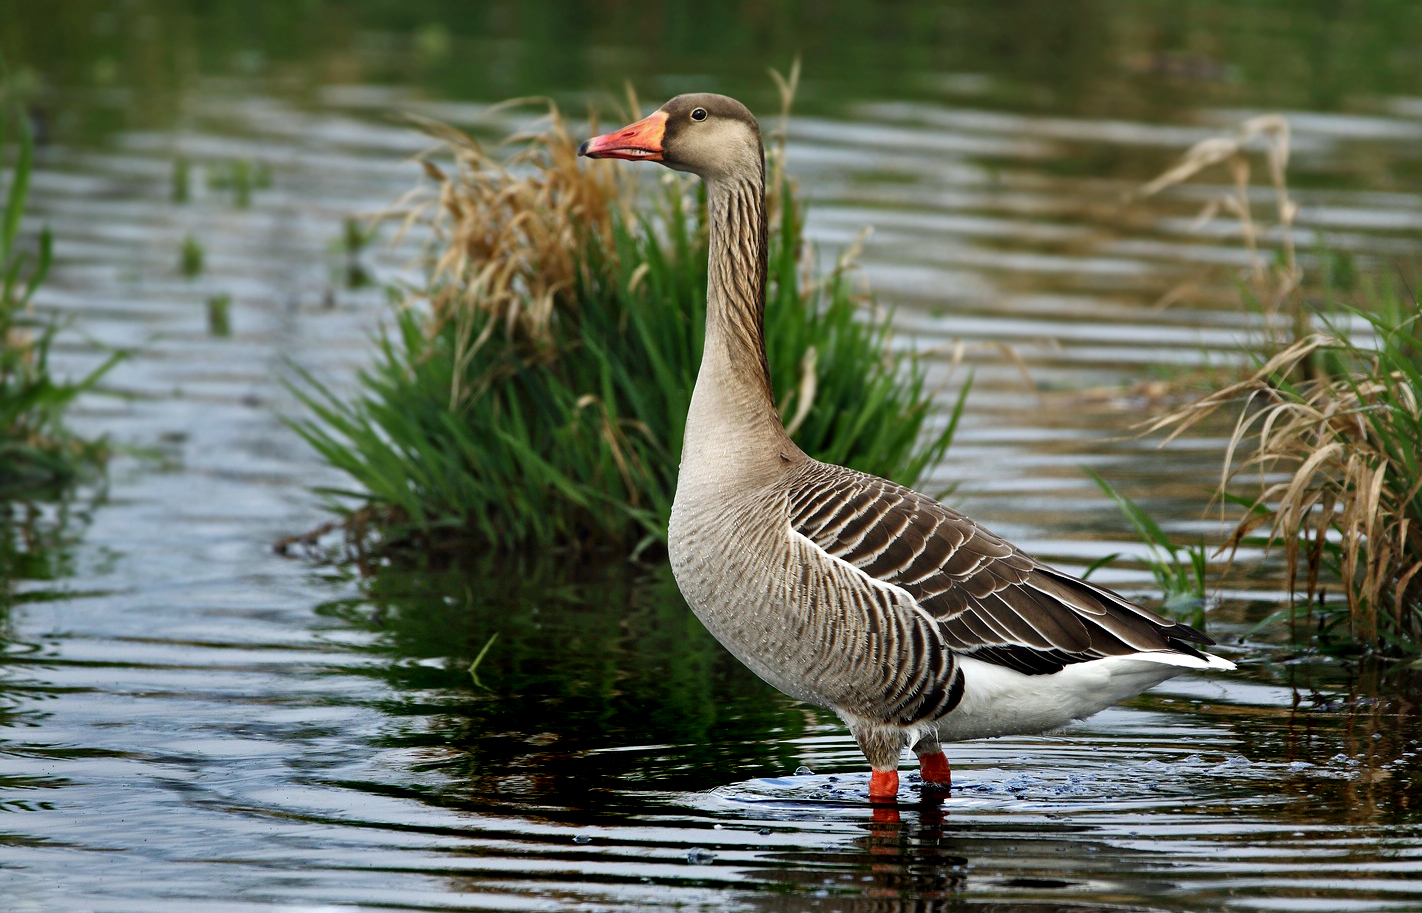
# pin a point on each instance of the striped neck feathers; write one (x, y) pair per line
(734, 437)
(735, 294)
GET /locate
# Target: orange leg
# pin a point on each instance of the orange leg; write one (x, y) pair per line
(933, 767)
(883, 785)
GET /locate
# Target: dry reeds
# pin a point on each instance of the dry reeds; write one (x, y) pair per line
(1337, 457)
(508, 235)
(1274, 285)
(1329, 420)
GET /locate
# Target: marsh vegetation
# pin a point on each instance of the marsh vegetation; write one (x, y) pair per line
(533, 392)
(1325, 456)
(38, 452)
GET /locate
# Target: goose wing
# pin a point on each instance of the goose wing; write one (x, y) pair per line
(992, 601)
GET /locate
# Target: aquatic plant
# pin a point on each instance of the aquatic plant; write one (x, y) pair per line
(181, 181)
(539, 395)
(1328, 416)
(219, 315)
(242, 177)
(356, 235)
(1179, 570)
(1338, 453)
(37, 451)
(191, 257)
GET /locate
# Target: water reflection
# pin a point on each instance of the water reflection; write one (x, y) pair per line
(928, 864)
(38, 539)
(1351, 740)
(578, 660)
(892, 866)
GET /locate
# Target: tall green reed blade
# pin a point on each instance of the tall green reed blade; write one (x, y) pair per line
(39, 456)
(1180, 571)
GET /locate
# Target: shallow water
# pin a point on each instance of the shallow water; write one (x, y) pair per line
(189, 721)
(218, 743)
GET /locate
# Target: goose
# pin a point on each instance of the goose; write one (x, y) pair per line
(909, 620)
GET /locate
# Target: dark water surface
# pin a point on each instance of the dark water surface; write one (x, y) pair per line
(191, 722)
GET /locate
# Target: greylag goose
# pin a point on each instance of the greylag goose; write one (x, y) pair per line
(909, 620)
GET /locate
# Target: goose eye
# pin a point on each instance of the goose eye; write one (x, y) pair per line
(698, 114)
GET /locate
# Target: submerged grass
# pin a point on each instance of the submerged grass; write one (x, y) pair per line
(538, 397)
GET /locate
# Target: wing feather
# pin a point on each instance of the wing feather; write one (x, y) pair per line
(991, 600)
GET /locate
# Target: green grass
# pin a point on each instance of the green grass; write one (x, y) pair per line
(191, 257)
(356, 236)
(182, 180)
(38, 454)
(219, 315)
(242, 177)
(495, 418)
(1179, 570)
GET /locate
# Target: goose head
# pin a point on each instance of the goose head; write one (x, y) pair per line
(711, 136)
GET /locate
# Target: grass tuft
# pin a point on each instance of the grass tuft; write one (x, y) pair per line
(38, 454)
(534, 392)
(1328, 419)
(190, 257)
(1339, 463)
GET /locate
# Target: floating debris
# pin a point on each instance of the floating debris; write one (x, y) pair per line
(700, 857)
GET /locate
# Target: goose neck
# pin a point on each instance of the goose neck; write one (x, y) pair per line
(735, 292)
(733, 430)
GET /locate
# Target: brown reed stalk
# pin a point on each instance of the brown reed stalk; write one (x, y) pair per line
(1328, 421)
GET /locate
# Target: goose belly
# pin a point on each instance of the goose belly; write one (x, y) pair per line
(810, 626)
(813, 629)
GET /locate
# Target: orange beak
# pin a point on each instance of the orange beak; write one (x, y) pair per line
(639, 141)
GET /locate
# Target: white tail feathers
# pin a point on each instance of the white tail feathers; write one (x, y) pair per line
(1171, 658)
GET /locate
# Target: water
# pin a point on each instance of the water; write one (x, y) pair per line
(190, 721)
